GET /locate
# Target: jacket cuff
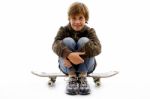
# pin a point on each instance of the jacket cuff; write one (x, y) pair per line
(66, 52)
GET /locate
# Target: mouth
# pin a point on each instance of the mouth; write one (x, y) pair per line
(77, 26)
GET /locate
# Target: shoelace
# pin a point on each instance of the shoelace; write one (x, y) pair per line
(83, 82)
(73, 82)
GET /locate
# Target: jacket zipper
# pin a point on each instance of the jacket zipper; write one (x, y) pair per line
(75, 36)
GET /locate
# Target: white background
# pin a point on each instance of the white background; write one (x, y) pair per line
(27, 31)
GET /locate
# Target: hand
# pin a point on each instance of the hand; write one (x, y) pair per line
(75, 58)
(67, 63)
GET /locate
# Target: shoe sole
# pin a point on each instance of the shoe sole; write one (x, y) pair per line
(81, 93)
(84, 92)
(72, 93)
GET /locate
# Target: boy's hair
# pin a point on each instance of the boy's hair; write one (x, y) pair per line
(78, 8)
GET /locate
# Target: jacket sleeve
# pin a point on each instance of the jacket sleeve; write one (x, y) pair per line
(58, 47)
(93, 47)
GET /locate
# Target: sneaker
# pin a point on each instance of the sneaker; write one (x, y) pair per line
(72, 86)
(84, 87)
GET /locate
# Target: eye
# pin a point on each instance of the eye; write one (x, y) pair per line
(81, 17)
(73, 18)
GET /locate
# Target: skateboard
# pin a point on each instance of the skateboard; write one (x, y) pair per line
(96, 76)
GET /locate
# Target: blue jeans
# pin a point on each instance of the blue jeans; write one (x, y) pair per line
(89, 63)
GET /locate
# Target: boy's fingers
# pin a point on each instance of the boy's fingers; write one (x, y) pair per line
(81, 53)
(81, 60)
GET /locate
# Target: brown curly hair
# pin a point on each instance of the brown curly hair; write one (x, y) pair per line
(78, 8)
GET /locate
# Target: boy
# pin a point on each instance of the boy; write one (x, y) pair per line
(77, 45)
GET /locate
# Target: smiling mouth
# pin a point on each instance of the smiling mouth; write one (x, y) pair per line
(77, 26)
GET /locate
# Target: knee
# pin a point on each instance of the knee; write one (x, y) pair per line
(83, 40)
(68, 41)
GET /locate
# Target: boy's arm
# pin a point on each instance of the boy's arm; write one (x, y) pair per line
(93, 47)
(58, 47)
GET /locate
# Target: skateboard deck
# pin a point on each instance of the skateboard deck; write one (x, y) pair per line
(96, 76)
(100, 75)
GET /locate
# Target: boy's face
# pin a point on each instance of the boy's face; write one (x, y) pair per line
(77, 22)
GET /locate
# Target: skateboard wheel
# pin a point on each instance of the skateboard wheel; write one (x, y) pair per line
(97, 81)
(53, 79)
(97, 84)
(50, 83)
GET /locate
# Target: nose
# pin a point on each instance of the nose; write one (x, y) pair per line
(77, 21)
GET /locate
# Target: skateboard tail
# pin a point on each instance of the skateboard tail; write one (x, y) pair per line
(109, 75)
(39, 74)
(104, 75)
(44, 74)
